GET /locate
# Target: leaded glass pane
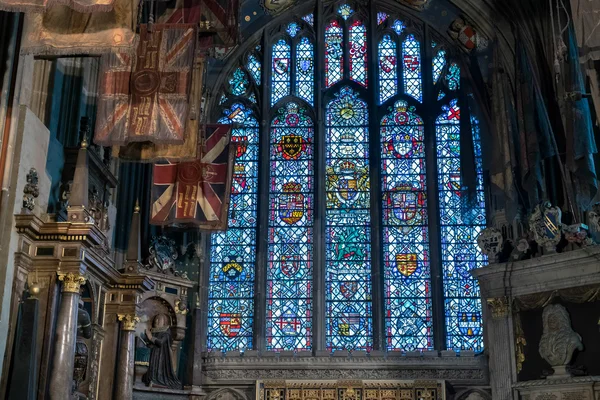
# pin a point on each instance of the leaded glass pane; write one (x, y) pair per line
(310, 19)
(233, 253)
(238, 84)
(388, 75)
(411, 54)
(305, 70)
(289, 269)
(253, 65)
(348, 224)
(460, 253)
(398, 26)
(439, 61)
(453, 77)
(345, 11)
(280, 78)
(293, 29)
(381, 17)
(334, 53)
(358, 53)
(407, 285)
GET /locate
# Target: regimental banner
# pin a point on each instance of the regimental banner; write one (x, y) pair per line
(146, 98)
(61, 30)
(197, 192)
(350, 390)
(188, 151)
(221, 17)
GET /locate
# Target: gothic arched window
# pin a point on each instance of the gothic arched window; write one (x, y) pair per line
(347, 227)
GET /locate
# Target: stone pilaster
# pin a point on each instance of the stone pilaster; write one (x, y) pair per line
(61, 375)
(125, 362)
(498, 329)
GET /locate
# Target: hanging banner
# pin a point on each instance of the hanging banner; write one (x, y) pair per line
(221, 17)
(62, 30)
(188, 151)
(196, 193)
(147, 98)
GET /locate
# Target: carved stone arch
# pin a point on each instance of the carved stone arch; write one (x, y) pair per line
(227, 394)
(473, 394)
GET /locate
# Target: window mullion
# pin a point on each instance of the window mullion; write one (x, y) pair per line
(377, 274)
(263, 203)
(433, 209)
(319, 295)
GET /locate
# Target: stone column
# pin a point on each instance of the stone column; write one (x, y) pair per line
(501, 349)
(126, 357)
(61, 375)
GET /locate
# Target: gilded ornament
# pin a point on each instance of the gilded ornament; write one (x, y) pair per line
(129, 321)
(71, 282)
(498, 306)
(180, 307)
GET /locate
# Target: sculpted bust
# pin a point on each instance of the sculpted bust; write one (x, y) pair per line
(559, 341)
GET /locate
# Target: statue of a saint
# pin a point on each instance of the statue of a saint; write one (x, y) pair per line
(160, 368)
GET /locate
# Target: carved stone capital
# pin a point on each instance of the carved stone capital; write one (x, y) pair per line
(71, 282)
(498, 306)
(128, 321)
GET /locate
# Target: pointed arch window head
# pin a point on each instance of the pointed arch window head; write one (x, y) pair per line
(344, 202)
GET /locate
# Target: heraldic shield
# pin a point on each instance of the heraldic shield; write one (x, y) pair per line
(230, 324)
(404, 204)
(290, 261)
(349, 322)
(348, 289)
(469, 323)
(406, 264)
(291, 203)
(291, 146)
(387, 63)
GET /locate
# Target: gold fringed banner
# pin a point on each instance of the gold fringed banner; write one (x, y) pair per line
(60, 30)
(40, 6)
(146, 99)
(188, 151)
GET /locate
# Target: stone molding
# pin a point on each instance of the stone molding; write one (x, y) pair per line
(558, 381)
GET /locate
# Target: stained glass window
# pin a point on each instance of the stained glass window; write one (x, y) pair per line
(238, 84)
(345, 11)
(293, 29)
(358, 53)
(381, 17)
(289, 270)
(280, 77)
(453, 77)
(439, 61)
(411, 55)
(409, 279)
(253, 66)
(388, 78)
(310, 19)
(305, 70)
(407, 286)
(233, 255)
(348, 224)
(460, 253)
(398, 26)
(334, 53)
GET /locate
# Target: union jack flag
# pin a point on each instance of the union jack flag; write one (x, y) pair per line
(196, 192)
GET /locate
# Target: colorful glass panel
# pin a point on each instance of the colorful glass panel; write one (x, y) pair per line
(388, 75)
(453, 77)
(398, 26)
(439, 61)
(281, 65)
(334, 53)
(381, 17)
(252, 98)
(407, 280)
(358, 53)
(289, 270)
(460, 253)
(293, 29)
(253, 65)
(233, 253)
(411, 57)
(345, 11)
(223, 99)
(238, 84)
(305, 70)
(347, 231)
(309, 19)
